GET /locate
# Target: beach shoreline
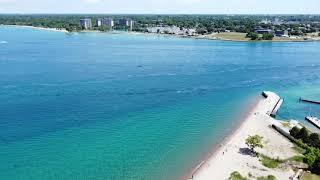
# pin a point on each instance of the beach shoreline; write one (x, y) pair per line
(204, 37)
(252, 104)
(227, 156)
(38, 28)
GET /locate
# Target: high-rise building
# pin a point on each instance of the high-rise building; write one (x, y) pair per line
(86, 23)
(107, 22)
(126, 22)
(99, 22)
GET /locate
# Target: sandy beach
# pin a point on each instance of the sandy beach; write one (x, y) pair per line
(40, 28)
(229, 157)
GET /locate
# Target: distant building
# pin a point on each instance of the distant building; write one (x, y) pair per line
(172, 30)
(277, 21)
(126, 22)
(99, 22)
(263, 31)
(266, 21)
(281, 33)
(107, 22)
(86, 23)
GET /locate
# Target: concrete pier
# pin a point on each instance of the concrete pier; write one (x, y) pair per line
(310, 101)
(276, 108)
(314, 120)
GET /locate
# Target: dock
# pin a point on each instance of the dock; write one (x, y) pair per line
(310, 101)
(314, 120)
(276, 108)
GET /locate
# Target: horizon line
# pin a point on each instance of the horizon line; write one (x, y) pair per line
(230, 14)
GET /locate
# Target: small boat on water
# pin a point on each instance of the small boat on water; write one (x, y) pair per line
(314, 120)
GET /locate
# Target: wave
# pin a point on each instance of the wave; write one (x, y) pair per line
(3, 42)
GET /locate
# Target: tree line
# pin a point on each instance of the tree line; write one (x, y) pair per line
(310, 142)
(203, 23)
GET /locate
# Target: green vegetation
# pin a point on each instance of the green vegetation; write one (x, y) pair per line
(253, 36)
(269, 177)
(70, 23)
(305, 137)
(267, 36)
(297, 158)
(311, 143)
(254, 142)
(257, 37)
(236, 176)
(103, 28)
(270, 162)
(232, 36)
(274, 163)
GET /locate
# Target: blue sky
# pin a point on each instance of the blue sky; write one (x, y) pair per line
(162, 6)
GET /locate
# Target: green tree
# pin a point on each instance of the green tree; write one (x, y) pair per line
(269, 177)
(104, 28)
(254, 142)
(267, 36)
(236, 176)
(201, 31)
(294, 132)
(303, 135)
(253, 36)
(314, 140)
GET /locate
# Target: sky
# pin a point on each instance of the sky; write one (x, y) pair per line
(161, 6)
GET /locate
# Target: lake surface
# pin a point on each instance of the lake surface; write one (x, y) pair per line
(131, 106)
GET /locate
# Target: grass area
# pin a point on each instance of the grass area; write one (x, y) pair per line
(236, 176)
(270, 162)
(297, 158)
(235, 36)
(274, 163)
(270, 177)
(309, 176)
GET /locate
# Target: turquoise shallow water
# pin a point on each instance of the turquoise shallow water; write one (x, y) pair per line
(127, 106)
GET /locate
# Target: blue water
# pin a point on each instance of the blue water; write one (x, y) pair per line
(132, 106)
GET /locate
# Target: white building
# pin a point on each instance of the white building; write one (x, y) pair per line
(99, 22)
(172, 30)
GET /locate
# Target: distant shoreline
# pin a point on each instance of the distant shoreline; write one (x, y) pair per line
(35, 27)
(213, 36)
